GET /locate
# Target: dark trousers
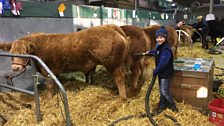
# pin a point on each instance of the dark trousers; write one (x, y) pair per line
(166, 99)
(204, 41)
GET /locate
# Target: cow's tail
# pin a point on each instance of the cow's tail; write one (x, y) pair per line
(127, 40)
(5, 46)
(128, 43)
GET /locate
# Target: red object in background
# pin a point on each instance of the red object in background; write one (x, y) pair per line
(14, 7)
(19, 6)
(216, 114)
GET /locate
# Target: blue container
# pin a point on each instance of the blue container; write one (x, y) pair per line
(197, 66)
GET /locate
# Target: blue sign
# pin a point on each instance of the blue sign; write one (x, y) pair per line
(7, 5)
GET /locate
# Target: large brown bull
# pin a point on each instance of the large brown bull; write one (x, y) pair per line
(139, 44)
(172, 37)
(80, 51)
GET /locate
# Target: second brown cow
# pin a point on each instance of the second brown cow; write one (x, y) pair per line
(139, 44)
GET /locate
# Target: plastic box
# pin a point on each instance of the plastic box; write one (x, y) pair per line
(216, 114)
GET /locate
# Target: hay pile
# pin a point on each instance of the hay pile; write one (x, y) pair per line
(97, 105)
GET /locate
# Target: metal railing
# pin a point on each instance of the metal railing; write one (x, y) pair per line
(185, 33)
(35, 93)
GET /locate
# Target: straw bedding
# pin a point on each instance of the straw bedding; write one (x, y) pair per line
(97, 104)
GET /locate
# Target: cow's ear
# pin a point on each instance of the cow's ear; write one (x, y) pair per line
(5, 46)
(30, 48)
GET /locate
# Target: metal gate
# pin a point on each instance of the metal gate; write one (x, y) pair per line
(35, 82)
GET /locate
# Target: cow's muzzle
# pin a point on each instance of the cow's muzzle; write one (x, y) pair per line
(16, 67)
(19, 64)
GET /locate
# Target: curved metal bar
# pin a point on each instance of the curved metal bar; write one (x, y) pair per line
(185, 33)
(220, 41)
(58, 83)
(198, 34)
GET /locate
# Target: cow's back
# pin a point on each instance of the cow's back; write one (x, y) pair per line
(109, 45)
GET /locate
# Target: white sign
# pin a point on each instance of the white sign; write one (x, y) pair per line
(109, 13)
(61, 14)
(133, 14)
(185, 16)
(202, 92)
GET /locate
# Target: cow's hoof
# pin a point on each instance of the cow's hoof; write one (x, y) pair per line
(123, 99)
(133, 92)
(27, 106)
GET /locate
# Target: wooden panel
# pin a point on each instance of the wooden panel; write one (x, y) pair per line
(193, 74)
(178, 80)
(189, 96)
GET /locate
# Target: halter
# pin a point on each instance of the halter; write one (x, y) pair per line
(24, 65)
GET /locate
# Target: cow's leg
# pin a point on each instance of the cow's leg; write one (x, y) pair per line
(135, 69)
(50, 88)
(118, 75)
(89, 75)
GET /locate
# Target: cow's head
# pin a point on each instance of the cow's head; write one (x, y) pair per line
(21, 47)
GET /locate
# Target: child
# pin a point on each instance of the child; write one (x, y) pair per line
(164, 69)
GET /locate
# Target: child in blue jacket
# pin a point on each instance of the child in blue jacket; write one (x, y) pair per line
(164, 69)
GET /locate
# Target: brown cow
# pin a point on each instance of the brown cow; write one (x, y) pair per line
(172, 37)
(139, 44)
(190, 31)
(79, 51)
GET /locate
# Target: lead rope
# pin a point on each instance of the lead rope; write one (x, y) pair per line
(9, 78)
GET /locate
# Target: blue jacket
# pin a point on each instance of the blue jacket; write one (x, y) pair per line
(164, 61)
(203, 25)
(3, 2)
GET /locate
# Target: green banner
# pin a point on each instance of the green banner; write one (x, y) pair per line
(50, 9)
(154, 15)
(164, 3)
